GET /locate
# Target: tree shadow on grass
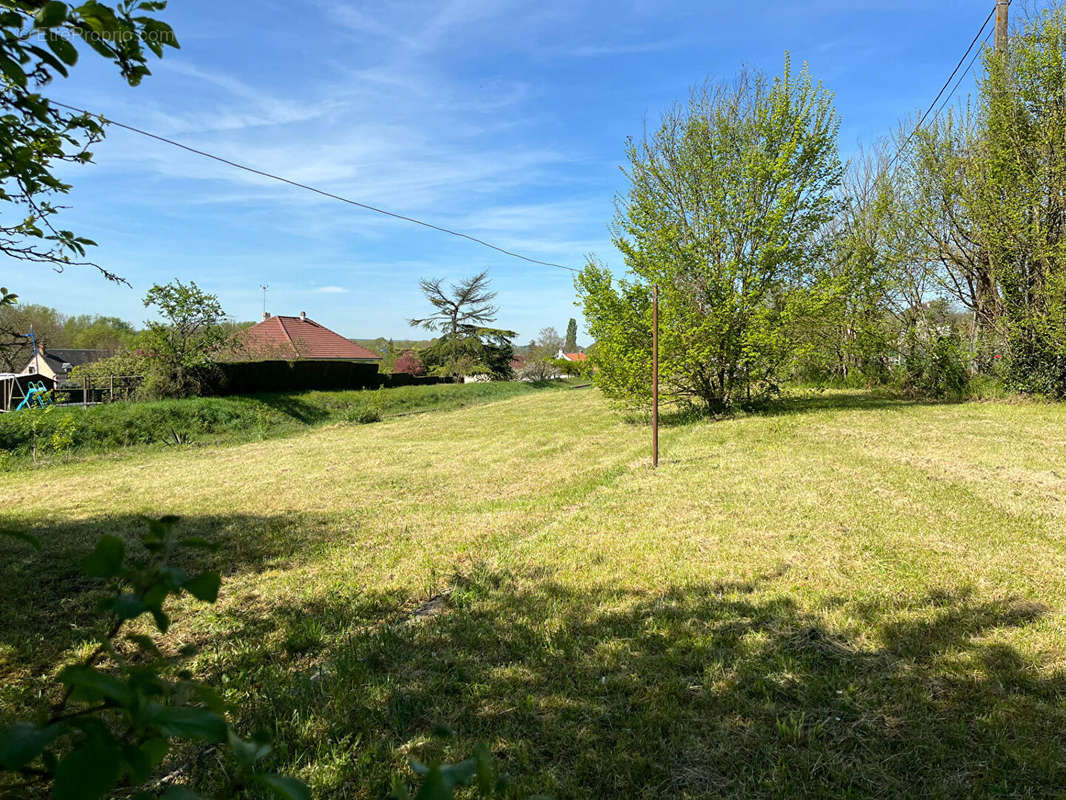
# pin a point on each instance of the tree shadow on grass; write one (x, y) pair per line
(292, 406)
(796, 404)
(715, 690)
(695, 691)
(49, 605)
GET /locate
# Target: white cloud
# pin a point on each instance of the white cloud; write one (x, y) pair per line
(329, 290)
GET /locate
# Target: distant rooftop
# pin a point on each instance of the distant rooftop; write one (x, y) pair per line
(299, 338)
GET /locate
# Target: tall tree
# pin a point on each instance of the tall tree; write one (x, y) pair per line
(725, 211)
(189, 336)
(460, 307)
(1020, 202)
(571, 336)
(466, 345)
(39, 40)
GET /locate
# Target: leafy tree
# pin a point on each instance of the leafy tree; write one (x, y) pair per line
(466, 345)
(188, 340)
(460, 308)
(541, 362)
(571, 336)
(726, 210)
(16, 320)
(409, 363)
(1020, 200)
(39, 39)
(93, 332)
(864, 286)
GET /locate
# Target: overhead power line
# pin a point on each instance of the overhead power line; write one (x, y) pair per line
(314, 189)
(962, 77)
(944, 88)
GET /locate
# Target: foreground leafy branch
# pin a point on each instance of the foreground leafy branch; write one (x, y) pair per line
(126, 703)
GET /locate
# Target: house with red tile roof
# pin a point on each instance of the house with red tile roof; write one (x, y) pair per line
(580, 356)
(296, 339)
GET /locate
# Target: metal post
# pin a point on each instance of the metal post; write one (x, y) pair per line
(111, 378)
(655, 376)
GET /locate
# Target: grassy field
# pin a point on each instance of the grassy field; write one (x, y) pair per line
(60, 432)
(850, 597)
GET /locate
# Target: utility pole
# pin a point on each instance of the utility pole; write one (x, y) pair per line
(1001, 25)
(655, 376)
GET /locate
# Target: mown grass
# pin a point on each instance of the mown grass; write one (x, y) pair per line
(62, 431)
(854, 596)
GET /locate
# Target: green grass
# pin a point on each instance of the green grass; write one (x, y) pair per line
(221, 420)
(853, 596)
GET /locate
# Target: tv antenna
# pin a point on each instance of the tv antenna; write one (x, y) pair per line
(264, 287)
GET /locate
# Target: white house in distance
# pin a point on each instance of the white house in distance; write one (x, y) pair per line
(577, 357)
(57, 363)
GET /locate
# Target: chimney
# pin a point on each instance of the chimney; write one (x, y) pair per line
(303, 315)
(266, 316)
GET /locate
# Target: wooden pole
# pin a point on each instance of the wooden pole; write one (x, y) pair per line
(111, 378)
(655, 376)
(1001, 25)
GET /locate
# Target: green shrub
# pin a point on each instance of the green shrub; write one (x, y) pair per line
(1036, 361)
(117, 425)
(935, 367)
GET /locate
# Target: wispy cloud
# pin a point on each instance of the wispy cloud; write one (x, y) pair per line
(622, 48)
(329, 290)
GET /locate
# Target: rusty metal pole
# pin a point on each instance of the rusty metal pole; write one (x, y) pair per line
(655, 376)
(1001, 25)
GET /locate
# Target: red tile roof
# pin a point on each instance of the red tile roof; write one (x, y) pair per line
(294, 338)
(575, 356)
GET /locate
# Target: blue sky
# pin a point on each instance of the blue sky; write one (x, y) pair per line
(502, 119)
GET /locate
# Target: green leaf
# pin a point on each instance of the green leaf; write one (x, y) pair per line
(155, 750)
(13, 71)
(210, 698)
(191, 723)
(48, 59)
(247, 752)
(129, 606)
(51, 14)
(461, 773)
(178, 793)
(92, 684)
(62, 47)
(283, 787)
(435, 786)
(106, 560)
(23, 742)
(88, 772)
(204, 587)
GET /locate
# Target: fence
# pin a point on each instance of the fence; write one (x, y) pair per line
(89, 390)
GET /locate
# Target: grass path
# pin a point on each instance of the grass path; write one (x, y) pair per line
(854, 597)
